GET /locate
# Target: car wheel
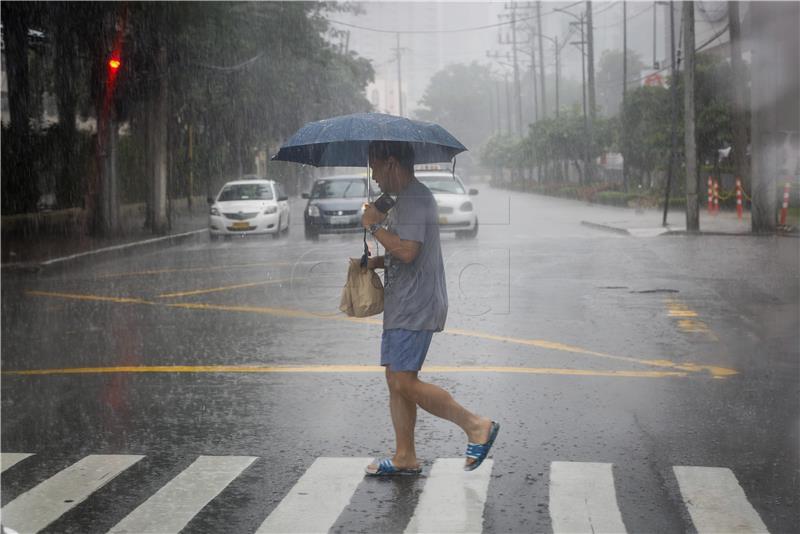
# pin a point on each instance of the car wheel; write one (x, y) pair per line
(288, 223)
(472, 234)
(277, 234)
(311, 235)
(468, 234)
(213, 237)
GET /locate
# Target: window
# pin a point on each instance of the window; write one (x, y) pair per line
(246, 192)
(355, 188)
(442, 184)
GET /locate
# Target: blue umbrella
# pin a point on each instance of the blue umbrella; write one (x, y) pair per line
(343, 141)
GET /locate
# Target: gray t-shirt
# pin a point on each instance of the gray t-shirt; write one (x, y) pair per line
(415, 295)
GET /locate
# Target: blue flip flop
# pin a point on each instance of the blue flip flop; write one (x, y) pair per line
(480, 451)
(387, 468)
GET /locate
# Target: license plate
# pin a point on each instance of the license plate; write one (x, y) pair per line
(442, 220)
(340, 219)
(241, 225)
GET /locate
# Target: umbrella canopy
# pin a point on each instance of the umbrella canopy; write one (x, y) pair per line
(343, 141)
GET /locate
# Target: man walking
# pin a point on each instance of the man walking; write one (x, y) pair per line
(415, 306)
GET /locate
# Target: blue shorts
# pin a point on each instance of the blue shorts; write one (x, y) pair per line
(405, 350)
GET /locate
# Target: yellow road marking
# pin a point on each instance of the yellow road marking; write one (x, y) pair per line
(73, 296)
(217, 289)
(686, 318)
(335, 369)
(201, 269)
(681, 313)
(715, 371)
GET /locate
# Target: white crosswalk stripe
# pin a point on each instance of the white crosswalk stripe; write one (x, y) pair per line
(716, 501)
(453, 499)
(174, 505)
(583, 499)
(9, 459)
(37, 508)
(582, 496)
(315, 502)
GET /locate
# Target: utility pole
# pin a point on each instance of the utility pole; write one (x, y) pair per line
(399, 79)
(508, 106)
(655, 59)
(775, 108)
(692, 206)
(558, 68)
(582, 42)
(624, 90)
(541, 58)
(592, 101)
(514, 62)
(516, 67)
(499, 108)
(535, 91)
(673, 112)
(738, 71)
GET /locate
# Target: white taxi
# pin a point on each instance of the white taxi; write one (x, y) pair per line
(249, 206)
(457, 212)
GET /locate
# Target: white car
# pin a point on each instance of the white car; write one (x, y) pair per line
(456, 210)
(249, 206)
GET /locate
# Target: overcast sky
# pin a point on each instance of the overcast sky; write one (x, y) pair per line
(423, 54)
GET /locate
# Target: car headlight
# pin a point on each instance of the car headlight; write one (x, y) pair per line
(466, 206)
(313, 211)
(269, 210)
(214, 210)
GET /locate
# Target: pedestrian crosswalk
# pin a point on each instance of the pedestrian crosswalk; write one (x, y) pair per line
(581, 496)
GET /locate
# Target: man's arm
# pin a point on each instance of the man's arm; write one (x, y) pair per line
(404, 250)
(375, 262)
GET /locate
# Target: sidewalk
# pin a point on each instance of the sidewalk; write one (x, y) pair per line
(39, 251)
(648, 223)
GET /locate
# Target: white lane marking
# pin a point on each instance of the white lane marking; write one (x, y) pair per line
(316, 501)
(453, 499)
(583, 499)
(37, 508)
(173, 506)
(716, 501)
(9, 459)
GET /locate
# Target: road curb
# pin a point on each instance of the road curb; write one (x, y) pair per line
(607, 228)
(112, 251)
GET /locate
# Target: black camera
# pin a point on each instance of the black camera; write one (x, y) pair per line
(384, 203)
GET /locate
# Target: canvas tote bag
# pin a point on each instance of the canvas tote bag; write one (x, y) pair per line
(362, 294)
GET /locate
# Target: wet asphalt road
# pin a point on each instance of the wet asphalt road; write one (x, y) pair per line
(587, 346)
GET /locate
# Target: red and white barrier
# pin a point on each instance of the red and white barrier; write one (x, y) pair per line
(785, 206)
(710, 195)
(739, 206)
(716, 197)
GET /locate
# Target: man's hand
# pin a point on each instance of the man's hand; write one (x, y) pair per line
(371, 215)
(373, 262)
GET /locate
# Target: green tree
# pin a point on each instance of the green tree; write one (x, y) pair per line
(241, 77)
(646, 121)
(609, 79)
(460, 98)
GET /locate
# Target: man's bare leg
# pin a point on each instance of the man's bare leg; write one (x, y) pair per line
(404, 419)
(440, 403)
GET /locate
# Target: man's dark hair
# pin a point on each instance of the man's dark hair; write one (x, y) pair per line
(403, 152)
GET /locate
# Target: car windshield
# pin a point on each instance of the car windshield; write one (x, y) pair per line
(245, 192)
(356, 188)
(441, 184)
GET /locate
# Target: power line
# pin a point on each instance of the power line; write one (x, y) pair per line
(669, 65)
(456, 30)
(613, 24)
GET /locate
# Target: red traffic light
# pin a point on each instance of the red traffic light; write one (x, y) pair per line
(114, 63)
